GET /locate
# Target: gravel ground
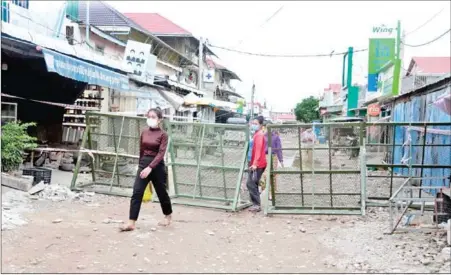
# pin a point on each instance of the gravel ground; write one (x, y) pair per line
(56, 232)
(81, 236)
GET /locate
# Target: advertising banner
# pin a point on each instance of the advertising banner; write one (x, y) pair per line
(83, 71)
(381, 50)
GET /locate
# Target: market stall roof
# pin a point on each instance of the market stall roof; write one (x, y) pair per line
(160, 96)
(72, 61)
(82, 71)
(185, 87)
(61, 45)
(192, 99)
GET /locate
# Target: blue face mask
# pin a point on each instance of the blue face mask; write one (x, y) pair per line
(254, 128)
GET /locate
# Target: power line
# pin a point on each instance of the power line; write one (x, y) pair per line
(285, 55)
(427, 43)
(425, 23)
(263, 24)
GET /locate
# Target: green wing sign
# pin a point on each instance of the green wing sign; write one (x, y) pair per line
(381, 51)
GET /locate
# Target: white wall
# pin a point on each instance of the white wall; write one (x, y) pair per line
(36, 18)
(164, 70)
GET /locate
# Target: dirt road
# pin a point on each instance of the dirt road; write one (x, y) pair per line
(80, 237)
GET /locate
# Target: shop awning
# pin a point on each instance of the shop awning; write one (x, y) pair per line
(148, 97)
(175, 100)
(192, 99)
(82, 71)
(185, 87)
(61, 46)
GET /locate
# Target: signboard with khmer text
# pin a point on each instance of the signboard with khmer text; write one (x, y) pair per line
(381, 50)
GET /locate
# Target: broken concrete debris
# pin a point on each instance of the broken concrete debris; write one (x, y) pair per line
(37, 188)
(20, 182)
(60, 193)
(15, 202)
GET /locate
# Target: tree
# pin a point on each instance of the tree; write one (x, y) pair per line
(307, 110)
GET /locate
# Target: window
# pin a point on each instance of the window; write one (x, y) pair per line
(21, 3)
(9, 112)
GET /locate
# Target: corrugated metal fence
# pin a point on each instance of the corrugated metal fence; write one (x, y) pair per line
(436, 150)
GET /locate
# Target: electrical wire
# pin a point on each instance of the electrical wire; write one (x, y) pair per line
(425, 23)
(262, 25)
(427, 43)
(285, 55)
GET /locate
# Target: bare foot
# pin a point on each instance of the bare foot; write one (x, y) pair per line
(129, 227)
(166, 221)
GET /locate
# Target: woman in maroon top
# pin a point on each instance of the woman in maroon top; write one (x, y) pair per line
(151, 167)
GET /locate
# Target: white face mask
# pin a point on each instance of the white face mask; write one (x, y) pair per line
(152, 123)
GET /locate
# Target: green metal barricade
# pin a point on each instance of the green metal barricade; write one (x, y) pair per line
(205, 161)
(319, 175)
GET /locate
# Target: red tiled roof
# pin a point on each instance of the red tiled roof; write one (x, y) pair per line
(156, 24)
(432, 65)
(214, 64)
(285, 117)
(333, 87)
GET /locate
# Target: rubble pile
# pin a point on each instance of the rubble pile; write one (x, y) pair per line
(58, 193)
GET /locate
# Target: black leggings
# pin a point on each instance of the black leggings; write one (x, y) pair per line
(158, 177)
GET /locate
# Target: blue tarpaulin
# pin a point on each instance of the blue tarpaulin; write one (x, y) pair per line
(83, 71)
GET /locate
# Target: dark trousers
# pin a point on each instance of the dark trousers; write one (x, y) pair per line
(158, 177)
(252, 185)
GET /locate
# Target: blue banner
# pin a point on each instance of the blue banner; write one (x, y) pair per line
(83, 71)
(372, 82)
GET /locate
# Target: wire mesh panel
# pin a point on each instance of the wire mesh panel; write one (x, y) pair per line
(208, 163)
(110, 152)
(397, 151)
(315, 168)
(207, 160)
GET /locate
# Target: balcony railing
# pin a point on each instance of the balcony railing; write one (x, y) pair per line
(414, 82)
(227, 87)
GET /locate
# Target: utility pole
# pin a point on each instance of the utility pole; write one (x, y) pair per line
(201, 63)
(87, 23)
(352, 91)
(252, 101)
(397, 81)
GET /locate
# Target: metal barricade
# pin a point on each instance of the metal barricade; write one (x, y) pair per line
(110, 147)
(208, 162)
(205, 161)
(319, 175)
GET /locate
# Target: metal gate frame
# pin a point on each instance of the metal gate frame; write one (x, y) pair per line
(87, 147)
(235, 203)
(271, 206)
(391, 146)
(410, 197)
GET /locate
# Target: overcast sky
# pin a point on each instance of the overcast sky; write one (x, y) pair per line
(299, 28)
